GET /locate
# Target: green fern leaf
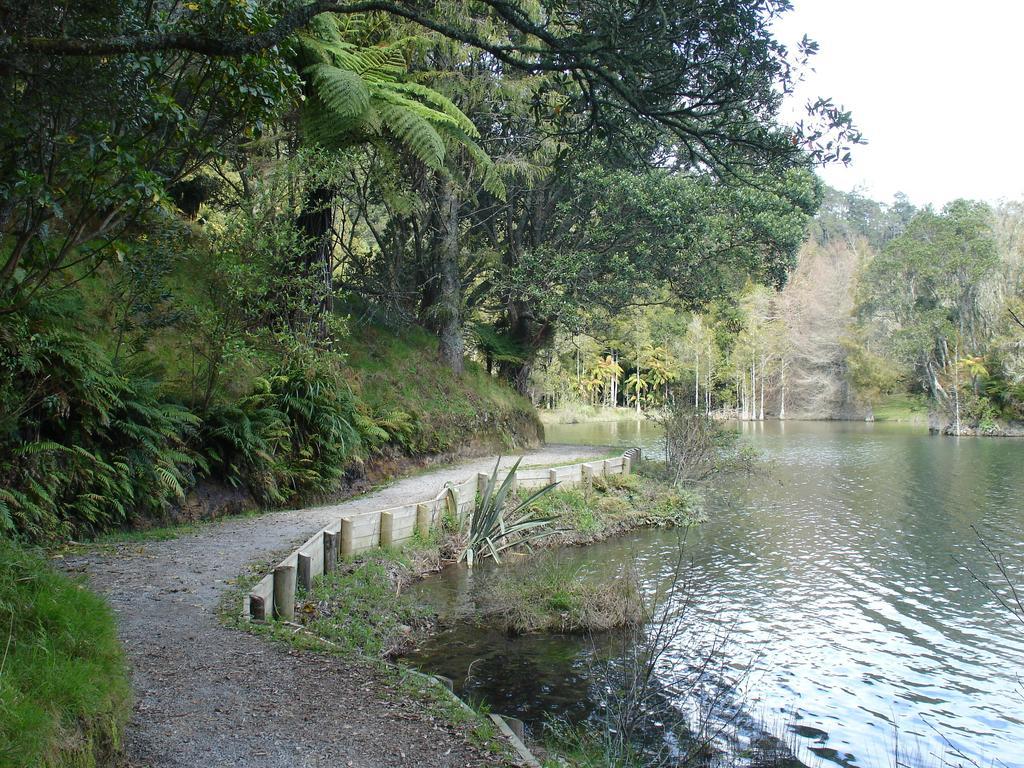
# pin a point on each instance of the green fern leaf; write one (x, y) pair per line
(343, 92)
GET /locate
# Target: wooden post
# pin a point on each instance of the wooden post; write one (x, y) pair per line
(588, 475)
(604, 468)
(457, 498)
(387, 529)
(513, 487)
(330, 551)
(284, 592)
(424, 518)
(627, 463)
(305, 574)
(257, 608)
(346, 537)
(482, 479)
(552, 476)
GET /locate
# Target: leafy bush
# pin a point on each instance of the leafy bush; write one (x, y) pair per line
(295, 434)
(495, 525)
(85, 444)
(64, 691)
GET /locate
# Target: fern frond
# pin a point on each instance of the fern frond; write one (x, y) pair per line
(439, 102)
(343, 92)
(415, 132)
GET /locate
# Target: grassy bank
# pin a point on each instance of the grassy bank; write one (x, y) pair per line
(64, 691)
(580, 413)
(902, 407)
(425, 407)
(544, 593)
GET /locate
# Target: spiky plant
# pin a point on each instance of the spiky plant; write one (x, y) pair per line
(493, 528)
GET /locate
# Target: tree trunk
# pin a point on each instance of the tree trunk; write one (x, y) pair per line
(760, 416)
(448, 312)
(696, 381)
(316, 221)
(782, 399)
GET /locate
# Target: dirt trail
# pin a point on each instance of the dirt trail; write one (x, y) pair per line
(207, 696)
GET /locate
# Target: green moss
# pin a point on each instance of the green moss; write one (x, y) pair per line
(64, 690)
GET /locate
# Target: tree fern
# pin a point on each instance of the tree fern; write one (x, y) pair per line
(359, 93)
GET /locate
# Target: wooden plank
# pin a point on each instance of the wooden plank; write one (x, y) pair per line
(257, 608)
(261, 596)
(387, 526)
(313, 549)
(360, 533)
(525, 755)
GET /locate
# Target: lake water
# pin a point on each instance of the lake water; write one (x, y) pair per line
(842, 581)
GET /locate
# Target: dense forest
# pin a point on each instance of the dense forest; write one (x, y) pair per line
(886, 302)
(212, 210)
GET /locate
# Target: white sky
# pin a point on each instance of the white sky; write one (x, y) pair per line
(936, 86)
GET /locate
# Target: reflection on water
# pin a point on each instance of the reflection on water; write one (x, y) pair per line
(841, 577)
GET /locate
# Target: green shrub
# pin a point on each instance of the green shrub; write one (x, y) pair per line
(295, 434)
(85, 443)
(64, 691)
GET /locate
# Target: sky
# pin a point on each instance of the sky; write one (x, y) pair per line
(937, 88)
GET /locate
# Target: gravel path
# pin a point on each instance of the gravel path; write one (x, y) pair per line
(207, 695)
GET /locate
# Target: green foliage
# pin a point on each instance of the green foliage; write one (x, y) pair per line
(358, 92)
(652, 229)
(92, 145)
(85, 445)
(356, 608)
(924, 290)
(295, 434)
(64, 689)
(871, 375)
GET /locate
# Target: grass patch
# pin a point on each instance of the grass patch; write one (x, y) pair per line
(578, 413)
(547, 594)
(402, 379)
(64, 690)
(902, 407)
(616, 504)
(360, 606)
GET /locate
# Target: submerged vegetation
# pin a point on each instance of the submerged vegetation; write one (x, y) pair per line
(64, 691)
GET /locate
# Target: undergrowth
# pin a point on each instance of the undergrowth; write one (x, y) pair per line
(93, 439)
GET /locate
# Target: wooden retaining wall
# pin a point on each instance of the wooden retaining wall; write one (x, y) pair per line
(274, 594)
